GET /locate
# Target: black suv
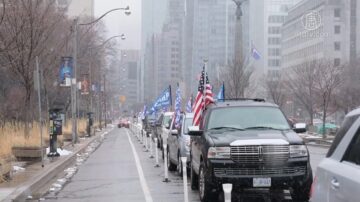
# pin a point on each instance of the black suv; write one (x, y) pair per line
(249, 144)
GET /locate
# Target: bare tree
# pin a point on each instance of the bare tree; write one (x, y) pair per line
(347, 96)
(328, 80)
(301, 83)
(27, 29)
(275, 88)
(237, 79)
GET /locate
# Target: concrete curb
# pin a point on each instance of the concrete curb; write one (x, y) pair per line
(42, 178)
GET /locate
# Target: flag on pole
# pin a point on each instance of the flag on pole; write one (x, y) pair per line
(255, 53)
(189, 105)
(177, 107)
(202, 99)
(221, 95)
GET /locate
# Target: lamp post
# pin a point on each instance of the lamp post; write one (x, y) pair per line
(73, 80)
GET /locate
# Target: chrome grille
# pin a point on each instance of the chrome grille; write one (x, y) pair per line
(260, 172)
(260, 154)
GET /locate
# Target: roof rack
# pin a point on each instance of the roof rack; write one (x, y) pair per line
(244, 99)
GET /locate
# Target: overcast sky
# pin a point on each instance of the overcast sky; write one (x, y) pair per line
(117, 22)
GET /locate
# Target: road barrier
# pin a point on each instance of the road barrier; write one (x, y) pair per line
(186, 194)
(227, 192)
(151, 147)
(166, 177)
(156, 154)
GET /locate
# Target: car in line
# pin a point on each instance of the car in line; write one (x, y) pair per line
(337, 177)
(163, 128)
(179, 144)
(249, 144)
(124, 123)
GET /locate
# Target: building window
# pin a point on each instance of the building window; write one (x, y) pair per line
(337, 29)
(274, 41)
(337, 62)
(337, 45)
(337, 12)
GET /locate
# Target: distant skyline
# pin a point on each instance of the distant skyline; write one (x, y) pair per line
(117, 22)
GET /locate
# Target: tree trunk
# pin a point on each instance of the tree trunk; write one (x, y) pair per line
(27, 109)
(324, 119)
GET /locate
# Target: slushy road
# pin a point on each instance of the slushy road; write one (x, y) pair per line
(121, 170)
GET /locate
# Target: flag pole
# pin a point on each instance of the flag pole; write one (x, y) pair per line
(204, 83)
(224, 89)
(170, 96)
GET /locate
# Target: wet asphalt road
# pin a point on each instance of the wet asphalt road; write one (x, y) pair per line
(121, 170)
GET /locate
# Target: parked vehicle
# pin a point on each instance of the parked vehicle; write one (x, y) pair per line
(338, 175)
(163, 129)
(179, 144)
(124, 123)
(250, 144)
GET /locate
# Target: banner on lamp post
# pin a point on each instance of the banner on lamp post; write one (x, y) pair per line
(85, 85)
(66, 71)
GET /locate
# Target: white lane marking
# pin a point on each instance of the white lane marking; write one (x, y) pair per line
(143, 183)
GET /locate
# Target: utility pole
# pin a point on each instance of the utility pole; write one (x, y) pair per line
(74, 86)
(105, 99)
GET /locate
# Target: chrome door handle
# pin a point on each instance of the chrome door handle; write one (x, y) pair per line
(335, 184)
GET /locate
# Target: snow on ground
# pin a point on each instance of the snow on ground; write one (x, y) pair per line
(62, 152)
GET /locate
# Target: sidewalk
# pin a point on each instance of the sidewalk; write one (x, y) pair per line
(25, 182)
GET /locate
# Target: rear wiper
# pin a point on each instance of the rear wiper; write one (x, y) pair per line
(262, 127)
(226, 127)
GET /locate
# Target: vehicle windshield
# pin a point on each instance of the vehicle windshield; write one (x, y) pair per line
(247, 118)
(166, 119)
(187, 123)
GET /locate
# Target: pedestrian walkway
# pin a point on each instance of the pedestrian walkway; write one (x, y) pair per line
(109, 174)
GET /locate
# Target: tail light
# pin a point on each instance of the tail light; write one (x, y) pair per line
(312, 189)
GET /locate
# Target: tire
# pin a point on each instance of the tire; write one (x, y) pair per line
(179, 166)
(171, 166)
(205, 188)
(194, 179)
(301, 193)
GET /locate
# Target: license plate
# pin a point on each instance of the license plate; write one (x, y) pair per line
(262, 182)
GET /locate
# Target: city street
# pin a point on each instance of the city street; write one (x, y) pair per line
(116, 172)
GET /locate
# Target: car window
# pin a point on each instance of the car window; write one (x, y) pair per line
(341, 133)
(247, 117)
(352, 153)
(166, 120)
(187, 123)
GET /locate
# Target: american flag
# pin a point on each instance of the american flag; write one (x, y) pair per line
(200, 100)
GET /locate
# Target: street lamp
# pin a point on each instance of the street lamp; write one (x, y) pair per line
(73, 82)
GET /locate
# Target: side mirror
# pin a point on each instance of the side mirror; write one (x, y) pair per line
(300, 128)
(174, 132)
(194, 131)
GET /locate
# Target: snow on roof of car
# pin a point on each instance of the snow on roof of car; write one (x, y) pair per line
(168, 113)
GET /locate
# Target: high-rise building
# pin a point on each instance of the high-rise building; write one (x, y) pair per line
(77, 8)
(130, 77)
(153, 17)
(209, 35)
(321, 29)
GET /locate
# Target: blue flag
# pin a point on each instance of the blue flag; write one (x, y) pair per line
(163, 101)
(189, 105)
(255, 53)
(177, 107)
(221, 95)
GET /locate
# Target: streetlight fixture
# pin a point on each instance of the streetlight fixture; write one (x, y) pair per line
(74, 82)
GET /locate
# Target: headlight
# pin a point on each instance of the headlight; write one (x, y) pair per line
(219, 153)
(298, 151)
